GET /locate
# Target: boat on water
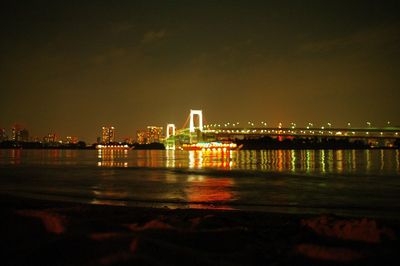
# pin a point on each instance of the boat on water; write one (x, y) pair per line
(211, 146)
(112, 147)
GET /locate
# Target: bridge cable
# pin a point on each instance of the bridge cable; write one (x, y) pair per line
(187, 120)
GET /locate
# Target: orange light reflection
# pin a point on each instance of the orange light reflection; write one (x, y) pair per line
(212, 159)
(112, 158)
(207, 192)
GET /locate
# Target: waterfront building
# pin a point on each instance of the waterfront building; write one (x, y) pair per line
(24, 135)
(141, 136)
(154, 134)
(108, 134)
(16, 133)
(50, 138)
(71, 140)
(19, 134)
(3, 134)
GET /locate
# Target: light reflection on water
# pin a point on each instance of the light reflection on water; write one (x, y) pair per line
(196, 179)
(294, 161)
(201, 190)
(108, 158)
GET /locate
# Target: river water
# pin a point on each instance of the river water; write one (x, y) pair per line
(350, 182)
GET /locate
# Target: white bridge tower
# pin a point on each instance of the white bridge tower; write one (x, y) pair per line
(199, 113)
(170, 130)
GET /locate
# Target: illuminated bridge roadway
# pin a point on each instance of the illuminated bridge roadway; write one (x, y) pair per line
(235, 132)
(226, 131)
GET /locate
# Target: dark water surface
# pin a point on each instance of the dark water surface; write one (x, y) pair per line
(351, 182)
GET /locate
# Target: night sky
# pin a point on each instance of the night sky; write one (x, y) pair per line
(71, 67)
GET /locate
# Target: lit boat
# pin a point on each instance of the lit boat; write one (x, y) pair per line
(211, 146)
(112, 147)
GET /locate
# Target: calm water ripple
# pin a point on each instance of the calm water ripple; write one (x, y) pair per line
(352, 182)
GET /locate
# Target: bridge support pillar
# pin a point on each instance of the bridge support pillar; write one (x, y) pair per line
(199, 113)
(170, 130)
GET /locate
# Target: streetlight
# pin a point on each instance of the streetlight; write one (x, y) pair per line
(349, 124)
(369, 124)
(329, 125)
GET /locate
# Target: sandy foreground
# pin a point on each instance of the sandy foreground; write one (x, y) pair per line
(41, 232)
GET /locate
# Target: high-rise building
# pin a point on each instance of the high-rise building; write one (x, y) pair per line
(71, 140)
(141, 136)
(154, 134)
(50, 138)
(108, 135)
(150, 135)
(19, 134)
(16, 133)
(24, 135)
(3, 134)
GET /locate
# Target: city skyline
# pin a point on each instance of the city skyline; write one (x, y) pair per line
(107, 134)
(72, 68)
(152, 133)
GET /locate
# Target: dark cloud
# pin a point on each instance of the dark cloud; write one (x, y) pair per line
(365, 40)
(152, 36)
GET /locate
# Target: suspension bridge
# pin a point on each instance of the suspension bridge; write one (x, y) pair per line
(196, 129)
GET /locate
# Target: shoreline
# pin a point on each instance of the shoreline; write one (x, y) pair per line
(384, 214)
(37, 231)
